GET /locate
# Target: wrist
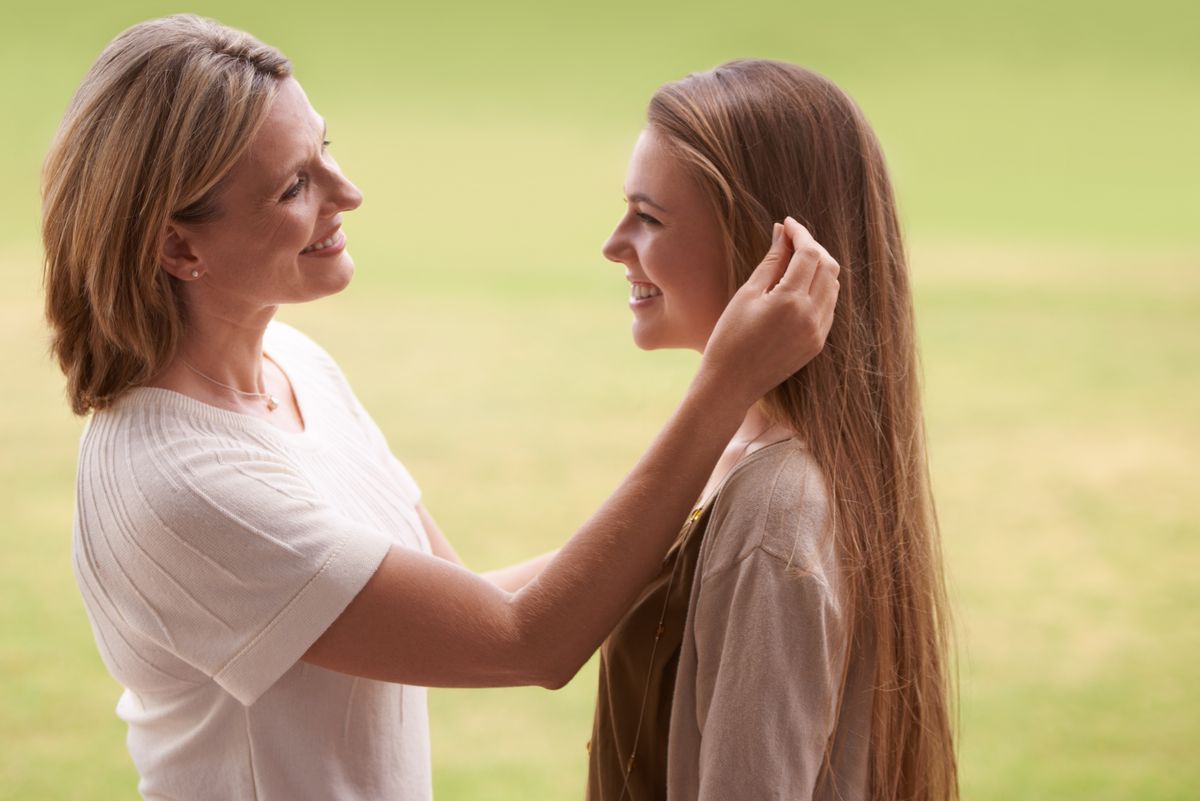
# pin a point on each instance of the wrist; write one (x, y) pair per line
(722, 402)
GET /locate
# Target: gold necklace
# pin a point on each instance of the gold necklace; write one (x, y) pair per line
(271, 400)
(660, 629)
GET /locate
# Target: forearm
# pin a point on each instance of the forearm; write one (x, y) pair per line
(427, 621)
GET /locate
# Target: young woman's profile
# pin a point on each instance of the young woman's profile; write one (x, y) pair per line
(794, 643)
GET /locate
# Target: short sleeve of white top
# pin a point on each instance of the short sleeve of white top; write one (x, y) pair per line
(212, 550)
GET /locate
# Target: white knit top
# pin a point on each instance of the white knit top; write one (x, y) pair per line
(212, 549)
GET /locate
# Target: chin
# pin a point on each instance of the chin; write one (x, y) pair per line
(340, 276)
(645, 340)
(345, 274)
(330, 282)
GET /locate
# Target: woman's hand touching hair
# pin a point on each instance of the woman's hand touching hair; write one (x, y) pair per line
(778, 320)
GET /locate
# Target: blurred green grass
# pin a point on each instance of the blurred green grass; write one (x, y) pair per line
(1043, 156)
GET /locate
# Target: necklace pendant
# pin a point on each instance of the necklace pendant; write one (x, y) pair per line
(272, 403)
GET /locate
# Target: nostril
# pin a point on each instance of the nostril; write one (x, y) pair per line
(611, 251)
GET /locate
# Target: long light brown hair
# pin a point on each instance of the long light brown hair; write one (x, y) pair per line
(160, 118)
(767, 140)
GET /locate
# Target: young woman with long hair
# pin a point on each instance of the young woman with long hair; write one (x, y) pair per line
(795, 643)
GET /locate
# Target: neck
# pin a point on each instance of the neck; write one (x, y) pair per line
(758, 430)
(755, 432)
(221, 347)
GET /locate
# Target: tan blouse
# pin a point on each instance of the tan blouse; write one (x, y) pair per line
(738, 697)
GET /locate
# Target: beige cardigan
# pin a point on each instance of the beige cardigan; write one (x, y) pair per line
(736, 696)
(756, 693)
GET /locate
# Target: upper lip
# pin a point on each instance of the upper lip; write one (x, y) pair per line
(325, 235)
(633, 280)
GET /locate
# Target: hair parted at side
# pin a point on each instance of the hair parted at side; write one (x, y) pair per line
(766, 140)
(160, 118)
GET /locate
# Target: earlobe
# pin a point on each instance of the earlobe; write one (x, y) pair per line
(177, 256)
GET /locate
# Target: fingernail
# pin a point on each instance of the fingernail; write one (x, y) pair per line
(790, 218)
(776, 233)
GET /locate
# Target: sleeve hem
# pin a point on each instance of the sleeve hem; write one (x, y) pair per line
(286, 638)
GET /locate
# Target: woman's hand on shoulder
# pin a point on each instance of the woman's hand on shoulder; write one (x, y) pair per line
(778, 320)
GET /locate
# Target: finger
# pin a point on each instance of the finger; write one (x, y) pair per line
(770, 269)
(827, 267)
(824, 294)
(804, 262)
(833, 266)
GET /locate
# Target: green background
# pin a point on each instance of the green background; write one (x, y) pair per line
(1044, 155)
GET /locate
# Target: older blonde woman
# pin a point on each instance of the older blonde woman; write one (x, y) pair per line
(259, 571)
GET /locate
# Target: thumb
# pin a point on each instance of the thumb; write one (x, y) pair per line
(768, 272)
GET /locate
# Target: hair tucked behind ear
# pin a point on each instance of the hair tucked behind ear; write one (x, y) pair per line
(767, 140)
(159, 119)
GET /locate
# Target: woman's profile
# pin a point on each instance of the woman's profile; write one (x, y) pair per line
(794, 642)
(259, 571)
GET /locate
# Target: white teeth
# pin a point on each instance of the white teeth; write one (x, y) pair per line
(643, 291)
(324, 243)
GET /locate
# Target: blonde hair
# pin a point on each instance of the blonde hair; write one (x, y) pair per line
(767, 140)
(160, 118)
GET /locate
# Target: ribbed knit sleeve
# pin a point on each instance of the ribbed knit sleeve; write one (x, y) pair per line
(216, 549)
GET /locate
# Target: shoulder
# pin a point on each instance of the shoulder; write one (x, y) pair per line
(774, 505)
(163, 457)
(312, 366)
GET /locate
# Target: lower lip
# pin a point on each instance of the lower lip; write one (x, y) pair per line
(641, 303)
(337, 247)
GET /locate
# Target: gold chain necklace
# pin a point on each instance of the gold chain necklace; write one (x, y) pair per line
(271, 400)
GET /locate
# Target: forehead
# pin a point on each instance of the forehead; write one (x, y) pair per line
(286, 137)
(651, 162)
(655, 170)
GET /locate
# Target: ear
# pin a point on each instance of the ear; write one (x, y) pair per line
(177, 256)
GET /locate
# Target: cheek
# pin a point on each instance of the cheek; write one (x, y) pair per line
(702, 279)
(290, 232)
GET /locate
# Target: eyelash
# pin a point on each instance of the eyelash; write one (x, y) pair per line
(646, 218)
(294, 190)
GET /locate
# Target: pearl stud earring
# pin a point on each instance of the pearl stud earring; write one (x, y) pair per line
(195, 273)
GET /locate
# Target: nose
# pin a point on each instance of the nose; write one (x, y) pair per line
(343, 195)
(616, 247)
(349, 196)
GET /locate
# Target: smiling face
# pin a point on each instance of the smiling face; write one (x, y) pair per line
(277, 236)
(671, 244)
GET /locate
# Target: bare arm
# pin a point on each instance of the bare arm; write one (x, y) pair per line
(424, 620)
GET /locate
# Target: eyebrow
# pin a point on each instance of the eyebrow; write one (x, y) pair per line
(292, 170)
(642, 197)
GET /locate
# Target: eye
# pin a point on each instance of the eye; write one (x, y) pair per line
(294, 190)
(325, 144)
(646, 218)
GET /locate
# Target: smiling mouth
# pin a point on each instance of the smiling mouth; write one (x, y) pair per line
(641, 291)
(327, 242)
